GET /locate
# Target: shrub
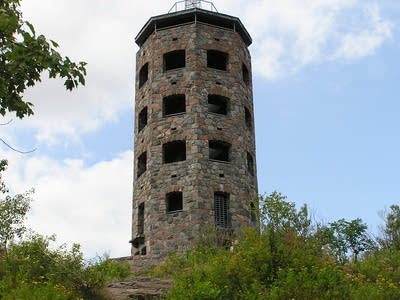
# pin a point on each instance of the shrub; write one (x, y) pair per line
(33, 264)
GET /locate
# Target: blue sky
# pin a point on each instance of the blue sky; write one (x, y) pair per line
(326, 86)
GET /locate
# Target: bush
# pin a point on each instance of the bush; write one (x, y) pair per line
(33, 265)
(290, 259)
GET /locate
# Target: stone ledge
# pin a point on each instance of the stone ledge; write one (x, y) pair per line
(138, 288)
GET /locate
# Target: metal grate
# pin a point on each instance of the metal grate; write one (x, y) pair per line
(221, 210)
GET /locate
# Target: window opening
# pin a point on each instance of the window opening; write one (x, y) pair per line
(142, 119)
(218, 104)
(245, 74)
(143, 74)
(217, 59)
(219, 150)
(250, 163)
(221, 210)
(142, 164)
(174, 104)
(174, 201)
(174, 60)
(247, 118)
(174, 152)
(140, 229)
(253, 212)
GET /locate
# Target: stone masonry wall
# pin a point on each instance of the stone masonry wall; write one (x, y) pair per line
(197, 177)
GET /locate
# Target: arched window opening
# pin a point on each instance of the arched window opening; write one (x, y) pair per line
(245, 74)
(217, 60)
(143, 74)
(219, 150)
(174, 104)
(250, 164)
(247, 118)
(174, 151)
(142, 119)
(174, 202)
(140, 228)
(174, 60)
(142, 164)
(218, 104)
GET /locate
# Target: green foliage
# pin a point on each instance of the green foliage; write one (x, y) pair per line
(344, 237)
(13, 210)
(290, 259)
(392, 229)
(33, 269)
(59, 273)
(24, 55)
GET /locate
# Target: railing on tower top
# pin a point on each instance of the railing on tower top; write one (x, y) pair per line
(189, 4)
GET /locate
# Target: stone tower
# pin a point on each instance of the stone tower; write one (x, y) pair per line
(194, 130)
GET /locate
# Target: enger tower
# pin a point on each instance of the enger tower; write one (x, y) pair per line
(194, 151)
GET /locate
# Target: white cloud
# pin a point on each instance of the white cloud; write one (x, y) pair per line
(288, 35)
(366, 41)
(102, 34)
(89, 205)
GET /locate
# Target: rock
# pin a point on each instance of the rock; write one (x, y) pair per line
(138, 288)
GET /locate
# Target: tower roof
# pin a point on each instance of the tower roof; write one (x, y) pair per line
(191, 16)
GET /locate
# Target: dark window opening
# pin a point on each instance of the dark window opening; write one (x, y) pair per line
(218, 104)
(174, 60)
(217, 59)
(245, 74)
(143, 75)
(253, 212)
(250, 164)
(219, 150)
(247, 118)
(221, 210)
(142, 119)
(140, 229)
(174, 104)
(141, 164)
(174, 152)
(174, 201)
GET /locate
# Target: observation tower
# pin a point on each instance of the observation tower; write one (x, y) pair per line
(194, 151)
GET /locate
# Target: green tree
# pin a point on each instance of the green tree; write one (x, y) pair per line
(278, 214)
(13, 210)
(24, 55)
(346, 237)
(391, 231)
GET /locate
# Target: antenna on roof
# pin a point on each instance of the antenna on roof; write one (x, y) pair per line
(190, 4)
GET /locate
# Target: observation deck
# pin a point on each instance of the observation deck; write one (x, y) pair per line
(192, 12)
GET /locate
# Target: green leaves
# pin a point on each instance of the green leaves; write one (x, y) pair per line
(13, 210)
(391, 230)
(346, 238)
(24, 57)
(50, 272)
